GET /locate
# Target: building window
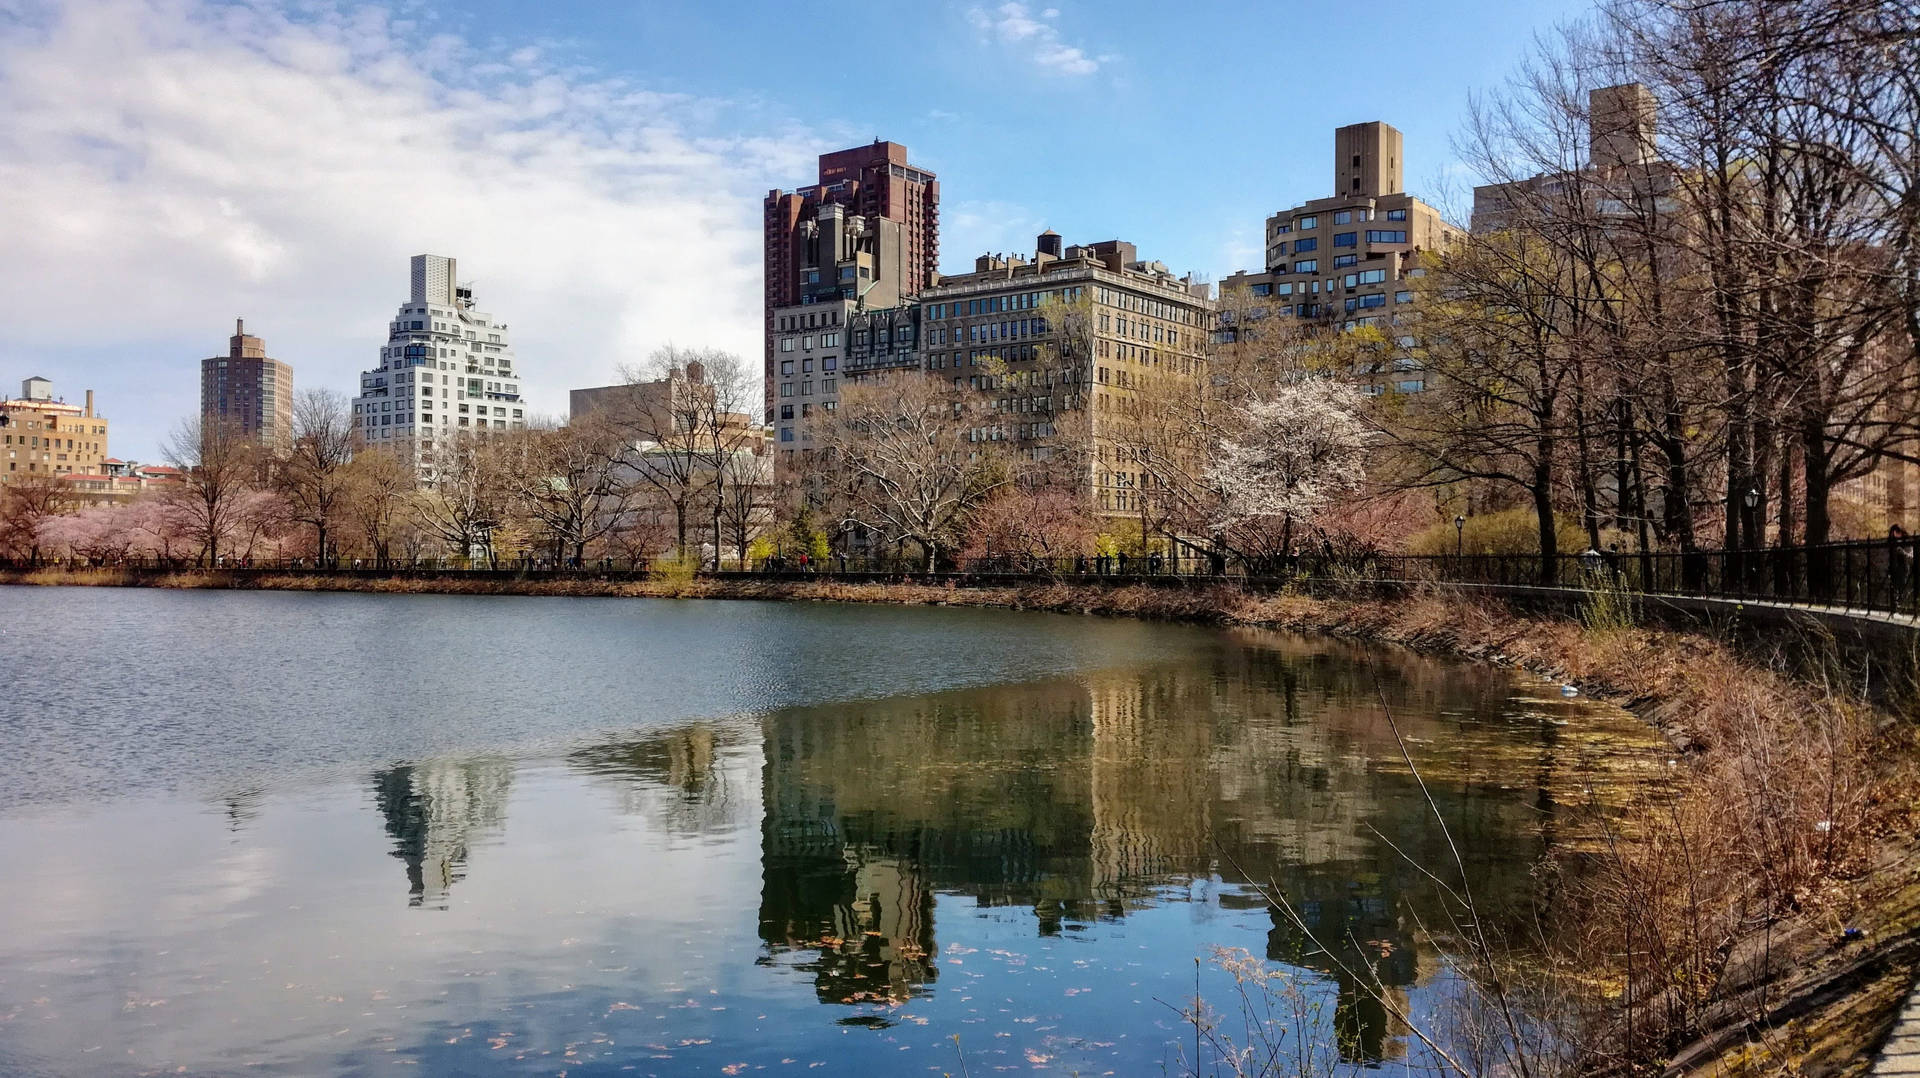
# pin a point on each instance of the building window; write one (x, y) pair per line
(786, 366)
(1307, 244)
(786, 434)
(1396, 215)
(1305, 223)
(1347, 239)
(1345, 260)
(1386, 235)
(786, 345)
(1403, 297)
(1343, 217)
(786, 389)
(786, 411)
(1263, 289)
(830, 363)
(1311, 265)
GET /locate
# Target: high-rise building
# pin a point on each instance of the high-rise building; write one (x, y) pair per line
(43, 435)
(1345, 260)
(867, 234)
(446, 369)
(248, 388)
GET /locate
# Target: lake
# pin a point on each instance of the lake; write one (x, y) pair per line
(336, 833)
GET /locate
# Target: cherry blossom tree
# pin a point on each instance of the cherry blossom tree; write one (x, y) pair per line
(1292, 453)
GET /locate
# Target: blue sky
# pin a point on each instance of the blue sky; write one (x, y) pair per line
(597, 169)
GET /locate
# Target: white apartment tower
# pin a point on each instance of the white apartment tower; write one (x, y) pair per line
(445, 370)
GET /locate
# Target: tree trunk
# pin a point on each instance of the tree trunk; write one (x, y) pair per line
(1543, 510)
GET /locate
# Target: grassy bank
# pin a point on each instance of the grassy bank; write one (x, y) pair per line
(1757, 919)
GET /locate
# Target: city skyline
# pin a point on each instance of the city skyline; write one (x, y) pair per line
(613, 201)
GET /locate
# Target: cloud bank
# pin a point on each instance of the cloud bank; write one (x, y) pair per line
(170, 165)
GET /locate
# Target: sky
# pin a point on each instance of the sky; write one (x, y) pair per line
(167, 166)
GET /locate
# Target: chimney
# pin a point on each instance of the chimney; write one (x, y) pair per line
(239, 327)
(89, 404)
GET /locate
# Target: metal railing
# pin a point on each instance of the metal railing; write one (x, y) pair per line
(1869, 576)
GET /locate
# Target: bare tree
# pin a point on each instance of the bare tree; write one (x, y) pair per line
(379, 492)
(667, 413)
(467, 501)
(911, 459)
(729, 399)
(26, 504)
(745, 497)
(1498, 355)
(313, 474)
(572, 481)
(218, 471)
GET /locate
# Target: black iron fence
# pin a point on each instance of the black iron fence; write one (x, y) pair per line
(1870, 576)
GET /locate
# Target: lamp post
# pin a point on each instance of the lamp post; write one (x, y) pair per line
(1459, 535)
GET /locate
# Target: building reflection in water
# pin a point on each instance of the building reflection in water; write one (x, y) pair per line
(1271, 764)
(434, 812)
(1267, 765)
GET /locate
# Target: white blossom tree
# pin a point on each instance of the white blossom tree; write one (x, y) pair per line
(1289, 456)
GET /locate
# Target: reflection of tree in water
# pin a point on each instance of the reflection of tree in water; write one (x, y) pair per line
(1271, 763)
(675, 778)
(434, 811)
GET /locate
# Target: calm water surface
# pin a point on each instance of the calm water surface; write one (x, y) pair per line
(288, 833)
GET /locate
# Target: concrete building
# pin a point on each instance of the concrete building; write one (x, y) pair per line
(867, 234)
(248, 388)
(41, 434)
(674, 448)
(447, 369)
(1623, 176)
(1346, 260)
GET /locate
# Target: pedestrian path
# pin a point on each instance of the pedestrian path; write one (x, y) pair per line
(1900, 1056)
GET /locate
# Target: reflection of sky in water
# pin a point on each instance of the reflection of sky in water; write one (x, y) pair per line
(831, 887)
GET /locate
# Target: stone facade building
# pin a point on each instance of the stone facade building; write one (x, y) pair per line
(998, 332)
(41, 435)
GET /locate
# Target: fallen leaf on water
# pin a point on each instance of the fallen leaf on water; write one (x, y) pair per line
(733, 1068)
(1037, 1057)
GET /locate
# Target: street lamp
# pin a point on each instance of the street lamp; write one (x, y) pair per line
(1459, 535)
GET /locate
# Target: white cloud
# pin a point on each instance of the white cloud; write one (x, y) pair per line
(1015, 24)
(169, 165)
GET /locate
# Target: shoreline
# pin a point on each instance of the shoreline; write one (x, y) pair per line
(1786, 991)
